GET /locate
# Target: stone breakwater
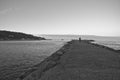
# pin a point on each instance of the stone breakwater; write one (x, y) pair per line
(38, 70)
(78, 60)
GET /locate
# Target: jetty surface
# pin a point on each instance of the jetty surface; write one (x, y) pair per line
(78, 60)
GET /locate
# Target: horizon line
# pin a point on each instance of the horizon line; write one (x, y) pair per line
(59, 34)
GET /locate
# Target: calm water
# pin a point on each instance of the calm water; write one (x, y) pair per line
(113, 42)
(18, 56)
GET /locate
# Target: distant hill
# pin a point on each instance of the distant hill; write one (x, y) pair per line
(9, 35)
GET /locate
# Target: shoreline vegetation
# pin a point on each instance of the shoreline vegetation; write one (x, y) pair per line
(17, 36)
(38, 71)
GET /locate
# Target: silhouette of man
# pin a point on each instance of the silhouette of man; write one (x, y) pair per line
(79, 39)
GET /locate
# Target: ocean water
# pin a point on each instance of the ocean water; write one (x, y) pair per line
(112, 42)
(18, 56)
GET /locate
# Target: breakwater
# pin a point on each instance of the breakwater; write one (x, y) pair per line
(77, 60)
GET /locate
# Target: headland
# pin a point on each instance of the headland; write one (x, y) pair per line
(13, 36)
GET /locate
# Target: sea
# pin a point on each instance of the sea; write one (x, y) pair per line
(17, 57)
(109, 41)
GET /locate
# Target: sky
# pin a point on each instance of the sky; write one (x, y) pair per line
(83, 17)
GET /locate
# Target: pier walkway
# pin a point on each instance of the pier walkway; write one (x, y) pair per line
(84, 61)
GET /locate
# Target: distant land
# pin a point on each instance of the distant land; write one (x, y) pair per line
(10, 35)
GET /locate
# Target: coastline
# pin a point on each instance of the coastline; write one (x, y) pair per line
(24, 40)
(54, 60)
(102, 46)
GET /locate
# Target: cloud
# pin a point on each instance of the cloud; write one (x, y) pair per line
(6, 11)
